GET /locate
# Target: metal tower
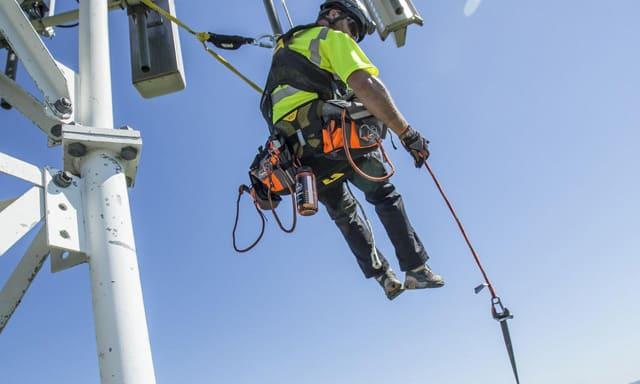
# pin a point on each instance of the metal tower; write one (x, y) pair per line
(85, 205)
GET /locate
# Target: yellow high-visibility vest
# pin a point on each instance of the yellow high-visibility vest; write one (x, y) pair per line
(329, 49)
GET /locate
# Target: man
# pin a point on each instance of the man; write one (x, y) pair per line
(322, 61)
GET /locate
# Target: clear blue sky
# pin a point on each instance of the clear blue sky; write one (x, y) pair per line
(533, 113)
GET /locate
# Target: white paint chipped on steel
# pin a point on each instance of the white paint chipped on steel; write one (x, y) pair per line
(20, 280)
(27, 104)
(65, 223)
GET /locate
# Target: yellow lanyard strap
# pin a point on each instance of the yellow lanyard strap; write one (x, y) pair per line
(203, 37)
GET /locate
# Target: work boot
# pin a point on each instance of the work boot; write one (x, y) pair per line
(422, 277)
(390, 283)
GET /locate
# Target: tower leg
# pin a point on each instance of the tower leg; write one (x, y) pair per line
(121, 328)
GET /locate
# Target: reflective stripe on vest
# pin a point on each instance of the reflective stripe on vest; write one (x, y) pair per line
(314, 46)
(314, 51)
(282, 93)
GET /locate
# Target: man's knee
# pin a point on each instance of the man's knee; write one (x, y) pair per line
(384, 193)
(344, 211)
(340, 206)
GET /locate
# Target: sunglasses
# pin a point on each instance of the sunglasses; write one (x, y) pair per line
(354, 30)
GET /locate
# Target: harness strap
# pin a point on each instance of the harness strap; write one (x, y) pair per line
(300, 137)
(296, 73)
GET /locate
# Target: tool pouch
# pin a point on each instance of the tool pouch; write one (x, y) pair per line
(260, 194)
(363, 130)
(272, 172)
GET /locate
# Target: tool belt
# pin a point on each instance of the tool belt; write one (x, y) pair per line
(350, 123)
(350, 131)
(272, 173)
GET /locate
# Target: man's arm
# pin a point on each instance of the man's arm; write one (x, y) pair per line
(376, 98)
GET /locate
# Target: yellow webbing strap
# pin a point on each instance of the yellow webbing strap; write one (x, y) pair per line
(203, 37)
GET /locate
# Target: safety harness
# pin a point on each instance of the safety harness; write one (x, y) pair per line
(292, 69)
(348, 129)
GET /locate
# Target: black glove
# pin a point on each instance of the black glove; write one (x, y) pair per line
(416, 145)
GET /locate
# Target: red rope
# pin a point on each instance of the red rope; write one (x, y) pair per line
(464, 233)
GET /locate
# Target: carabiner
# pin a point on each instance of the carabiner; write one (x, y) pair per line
(265, 41)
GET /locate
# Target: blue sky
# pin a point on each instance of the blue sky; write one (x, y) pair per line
(532, 112)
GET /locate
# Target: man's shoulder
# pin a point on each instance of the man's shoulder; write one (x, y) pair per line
(329, 34)
(336, 35)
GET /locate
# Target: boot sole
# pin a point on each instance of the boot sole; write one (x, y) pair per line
(396, 292)
(413, 284)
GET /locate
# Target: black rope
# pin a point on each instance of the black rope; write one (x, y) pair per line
(241, 190)
(293, 202)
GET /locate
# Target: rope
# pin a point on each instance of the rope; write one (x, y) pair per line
(464, 233)
(499, 312)
(241, 190)
(293, 206)
(203, 37)
(353, 164)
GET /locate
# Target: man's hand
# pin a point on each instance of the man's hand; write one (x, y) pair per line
(416, 145)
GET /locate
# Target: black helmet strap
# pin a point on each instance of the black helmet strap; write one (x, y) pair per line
(345, 15)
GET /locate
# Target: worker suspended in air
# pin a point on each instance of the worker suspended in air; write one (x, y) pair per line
(322, 93)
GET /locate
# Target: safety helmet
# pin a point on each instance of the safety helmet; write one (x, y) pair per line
(356, 10)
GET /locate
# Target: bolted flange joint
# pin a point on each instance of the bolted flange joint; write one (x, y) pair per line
(77, 150)
(56, 130)
(63, 107)
(124, 144)
(128, 153)
(62, 179)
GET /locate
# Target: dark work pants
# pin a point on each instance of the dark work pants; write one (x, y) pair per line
(342, 208)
